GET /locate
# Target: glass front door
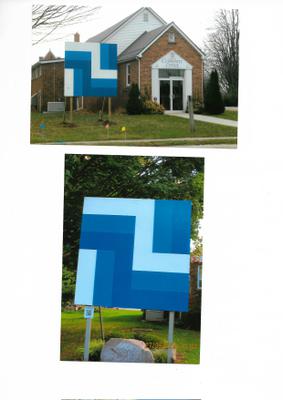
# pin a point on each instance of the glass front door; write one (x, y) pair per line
(177, 95)
(165, 94)
(171, 94)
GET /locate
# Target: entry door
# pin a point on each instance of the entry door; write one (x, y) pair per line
(171, 94)
(165, 94)
(177, 92)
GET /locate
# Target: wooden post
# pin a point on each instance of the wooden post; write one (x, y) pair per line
(71, 109)
(109, 108)
(170, 337)
(191, 113)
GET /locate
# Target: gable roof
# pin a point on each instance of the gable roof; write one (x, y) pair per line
(100, 37)
(143, 42)
(139, 44)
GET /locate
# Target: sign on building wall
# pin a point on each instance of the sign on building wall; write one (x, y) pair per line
(134, 253)
(90, 69)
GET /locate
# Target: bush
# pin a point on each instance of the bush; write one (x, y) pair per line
(95, 350)
(231, 98)
(198, 106)
(134, 104)
(152, 107)
(213, 101)
(68, 285)
(160, 356)
(152, 341)
(116, 334)
(191, 320)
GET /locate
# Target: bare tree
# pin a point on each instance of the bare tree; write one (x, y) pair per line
(222, 51)
(48, 20)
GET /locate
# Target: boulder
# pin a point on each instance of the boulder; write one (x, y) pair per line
(126, 350)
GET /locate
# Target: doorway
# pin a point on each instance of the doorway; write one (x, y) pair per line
(171, 93)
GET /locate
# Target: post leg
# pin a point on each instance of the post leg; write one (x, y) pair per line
(87, 339)
(71, 109)
(170, 336)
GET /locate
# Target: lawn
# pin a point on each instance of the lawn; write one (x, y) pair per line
(125, 323)
(49, 128)
(228, 114)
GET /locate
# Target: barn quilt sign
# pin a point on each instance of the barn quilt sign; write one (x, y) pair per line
(90, 69)
(134, 253)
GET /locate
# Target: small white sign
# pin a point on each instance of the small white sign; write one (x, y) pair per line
(88, 312)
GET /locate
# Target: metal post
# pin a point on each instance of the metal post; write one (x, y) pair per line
(87, 339)
(101, 324)
(170, 336)
(71, 109)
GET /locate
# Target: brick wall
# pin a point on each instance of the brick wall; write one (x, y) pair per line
(181, 47)
(53, 83)
(123, 90)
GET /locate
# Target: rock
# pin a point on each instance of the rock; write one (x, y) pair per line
(126, 350)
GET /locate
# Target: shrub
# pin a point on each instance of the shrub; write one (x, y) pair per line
(160, 356)
(198, 106)
(231, 98)
(134, 104)
(191, 320)
(116, 334)
(152, 341)
(152, 107)
(95, 350)
(68, 285)
(213, 101)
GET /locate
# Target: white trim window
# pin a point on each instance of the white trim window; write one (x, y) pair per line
(199, 277)
(171, 37)
(128, 75)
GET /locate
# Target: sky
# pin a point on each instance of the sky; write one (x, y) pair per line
(195, 22)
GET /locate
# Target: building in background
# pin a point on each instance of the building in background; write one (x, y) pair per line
(47, 82)
(158, 56)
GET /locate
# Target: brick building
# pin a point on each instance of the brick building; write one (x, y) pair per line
(47, 83)
(158, 56)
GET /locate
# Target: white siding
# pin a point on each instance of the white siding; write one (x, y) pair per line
(132, 30)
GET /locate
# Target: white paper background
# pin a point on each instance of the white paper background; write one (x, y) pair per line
(241, 349)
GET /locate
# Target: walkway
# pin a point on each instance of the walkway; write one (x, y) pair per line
(204, 118)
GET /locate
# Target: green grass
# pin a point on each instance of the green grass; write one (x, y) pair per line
(88, 128)
(228, 114)
(126, 323)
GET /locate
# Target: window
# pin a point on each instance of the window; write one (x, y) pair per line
(171, 37)
(36, 73)
(199, 278)
(167, 73)
(145, 17)
(128, 74)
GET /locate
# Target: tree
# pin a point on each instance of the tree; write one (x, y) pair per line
(134, 104)
(213, 101)
(51, 19)
(129, 177)
(222, 52)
